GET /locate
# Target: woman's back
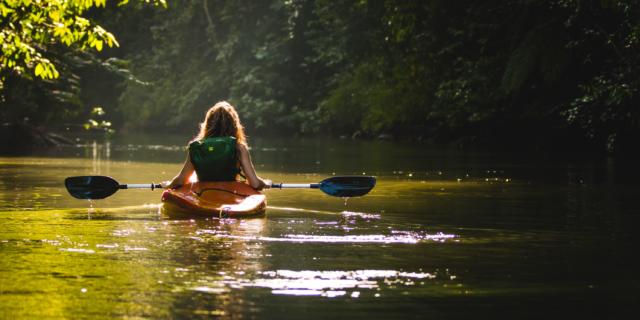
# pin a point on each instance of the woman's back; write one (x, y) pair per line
(219, 152)
(215, 158)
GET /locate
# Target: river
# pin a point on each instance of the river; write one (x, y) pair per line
(445, 233)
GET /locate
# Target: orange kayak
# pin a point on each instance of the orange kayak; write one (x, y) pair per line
(214, 199)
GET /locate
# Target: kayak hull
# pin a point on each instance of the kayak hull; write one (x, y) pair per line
(214, 200)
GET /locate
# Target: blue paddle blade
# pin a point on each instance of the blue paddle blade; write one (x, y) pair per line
(91, 187)
(348, 186)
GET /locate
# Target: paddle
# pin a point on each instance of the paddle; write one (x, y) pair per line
(339, 186)
(100, 187)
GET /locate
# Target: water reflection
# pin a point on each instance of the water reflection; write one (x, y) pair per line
(374, 238)
(100, 156)
(327, 283)
(436, 227)
(207, 262)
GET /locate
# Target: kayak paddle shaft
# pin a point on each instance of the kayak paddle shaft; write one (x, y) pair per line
(296, 185)
(140, 186)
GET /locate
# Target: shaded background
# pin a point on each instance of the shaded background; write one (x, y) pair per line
(525, 74)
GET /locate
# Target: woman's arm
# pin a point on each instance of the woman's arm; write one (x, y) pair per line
(183, 176)
(249, 172)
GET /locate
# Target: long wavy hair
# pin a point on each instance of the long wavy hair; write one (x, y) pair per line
(220, 121)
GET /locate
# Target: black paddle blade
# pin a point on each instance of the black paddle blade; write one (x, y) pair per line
(91, 187)
(348, 186)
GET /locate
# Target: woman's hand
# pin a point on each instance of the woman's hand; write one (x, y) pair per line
(267, 183)
(167, 184)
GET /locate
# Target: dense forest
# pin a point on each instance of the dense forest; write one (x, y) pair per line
(556, 73)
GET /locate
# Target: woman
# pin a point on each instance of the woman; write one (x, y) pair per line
(219, 152)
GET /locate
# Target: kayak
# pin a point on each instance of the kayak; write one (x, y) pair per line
(214, 199)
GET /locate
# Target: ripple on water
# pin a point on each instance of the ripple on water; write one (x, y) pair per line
(346, 214)
(78, 250)
(363, 215)
(107, 245)
(325, 283)
(402, 238)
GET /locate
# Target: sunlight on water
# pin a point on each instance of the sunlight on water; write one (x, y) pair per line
(77, 250)
(347, 214)
(374, 238)
(328, 283)
(363, 215)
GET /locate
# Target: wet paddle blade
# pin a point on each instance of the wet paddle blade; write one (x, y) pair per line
(348, 186)
(91, 187)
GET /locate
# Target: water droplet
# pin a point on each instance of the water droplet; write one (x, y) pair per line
(91, 209)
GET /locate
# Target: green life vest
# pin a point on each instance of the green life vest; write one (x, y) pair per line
(215, 158)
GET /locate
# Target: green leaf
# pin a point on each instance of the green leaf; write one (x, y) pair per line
(39, 69)
(97, 110)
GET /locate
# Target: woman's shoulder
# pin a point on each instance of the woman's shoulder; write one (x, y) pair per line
(195, 143)
(215, 138)
(219, 139)
(242, 147)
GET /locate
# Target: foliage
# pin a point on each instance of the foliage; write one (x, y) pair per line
(28, 27)
(96, 122)
(521, 70)
(201, 54)
(499, 68)
(36, 38)
(605, 104)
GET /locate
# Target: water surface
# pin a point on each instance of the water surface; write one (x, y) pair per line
(445, 234)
